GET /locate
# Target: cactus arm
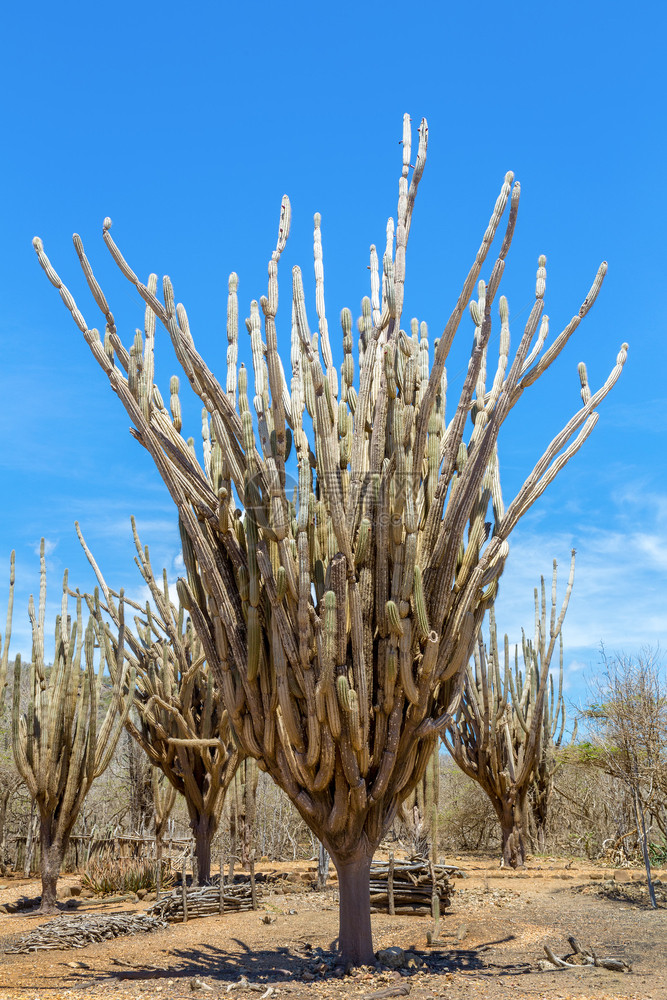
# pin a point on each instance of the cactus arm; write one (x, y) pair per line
(20, 735)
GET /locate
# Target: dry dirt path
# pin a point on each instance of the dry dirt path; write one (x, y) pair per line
(493, 937)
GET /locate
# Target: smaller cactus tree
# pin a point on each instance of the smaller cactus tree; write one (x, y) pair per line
(182, 724)
(4, 655)
(59, 748)
(544, 774)
(499, 735)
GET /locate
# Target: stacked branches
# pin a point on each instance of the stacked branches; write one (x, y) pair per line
(339, 618)
(414, 883)
(203, 902)
(501, 735)
(59, 745)
(183, 723)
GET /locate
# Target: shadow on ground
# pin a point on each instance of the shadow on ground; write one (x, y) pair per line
(283, 964)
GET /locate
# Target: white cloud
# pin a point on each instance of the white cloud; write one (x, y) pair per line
(49, 547)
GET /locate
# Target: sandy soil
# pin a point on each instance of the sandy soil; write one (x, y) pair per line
(492, 937)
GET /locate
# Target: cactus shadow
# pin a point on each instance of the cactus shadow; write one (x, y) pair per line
(269, 965)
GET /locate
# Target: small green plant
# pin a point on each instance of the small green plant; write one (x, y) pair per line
(116, 876)
(658, 853)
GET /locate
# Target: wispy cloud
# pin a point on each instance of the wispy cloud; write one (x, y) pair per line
(49, 546)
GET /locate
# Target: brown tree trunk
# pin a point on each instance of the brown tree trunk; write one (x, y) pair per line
(52, 853)
(355, 941)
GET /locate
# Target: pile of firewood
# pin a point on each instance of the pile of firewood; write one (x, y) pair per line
(80, 931)
(204, 901)
(408, 886)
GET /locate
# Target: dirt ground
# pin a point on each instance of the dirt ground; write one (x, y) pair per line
(493, 936)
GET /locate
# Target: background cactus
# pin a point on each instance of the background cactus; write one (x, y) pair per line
(183, 725)
(500, 732)
(549, 760)
(4, 652)
(339, 617)
(59, 745)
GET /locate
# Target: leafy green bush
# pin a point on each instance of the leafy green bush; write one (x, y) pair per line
(658, 853)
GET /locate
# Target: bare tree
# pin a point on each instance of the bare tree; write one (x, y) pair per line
(139, 780)
(498, 734)
(182, 724)
(339, 621)
(627, 736)
(58, 746)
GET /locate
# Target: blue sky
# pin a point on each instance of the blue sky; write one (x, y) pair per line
(186, 124)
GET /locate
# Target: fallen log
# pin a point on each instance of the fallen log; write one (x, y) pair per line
(587, 959)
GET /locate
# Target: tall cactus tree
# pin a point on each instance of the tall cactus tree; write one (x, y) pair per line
(340, 619)
(60, 747)
(183, 725)
(497, 736)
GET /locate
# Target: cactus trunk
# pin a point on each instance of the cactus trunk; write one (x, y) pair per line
(52, 853)
(512, 819)
(355, 940)
(203, 829)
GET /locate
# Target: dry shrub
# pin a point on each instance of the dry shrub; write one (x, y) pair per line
(591, 815)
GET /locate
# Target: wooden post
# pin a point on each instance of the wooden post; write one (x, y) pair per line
(221, 905)
(29, 841)
(253, 890)
(322, 867)
(184, 889)
(435, 903)
(158, 880)
(390, 884)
